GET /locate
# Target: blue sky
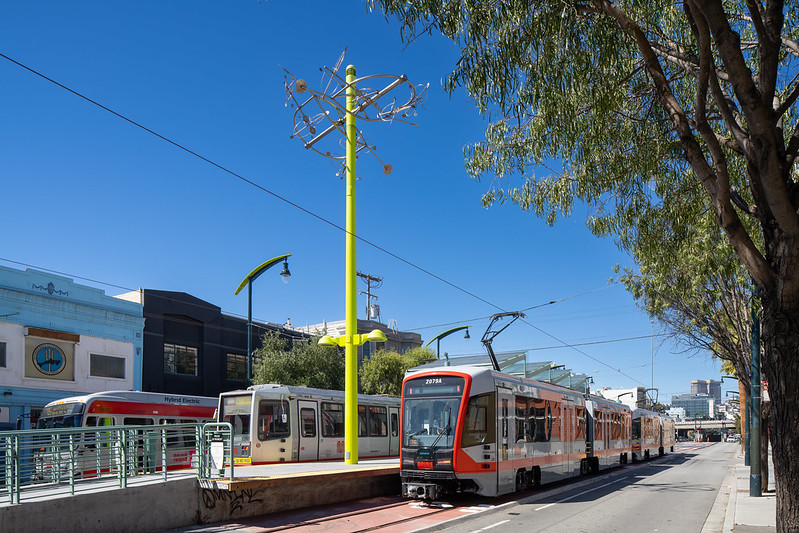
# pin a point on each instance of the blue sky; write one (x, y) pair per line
(92, 196)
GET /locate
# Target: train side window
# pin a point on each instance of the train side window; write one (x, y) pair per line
(362, 420)
(332, 419)
(378, 421)
(273, 420)
(540, 417)
(480, 427)
(522, 427)
(308, 422)
(580, 415)
(394, 425)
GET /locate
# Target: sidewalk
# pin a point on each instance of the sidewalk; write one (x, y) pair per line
(743, 513)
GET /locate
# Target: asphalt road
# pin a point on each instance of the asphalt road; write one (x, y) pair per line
(674, 493)
(670, 494)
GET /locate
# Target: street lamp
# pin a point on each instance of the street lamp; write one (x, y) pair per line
(440, 336)
(248, 279)
(335, 109)
(623, 394)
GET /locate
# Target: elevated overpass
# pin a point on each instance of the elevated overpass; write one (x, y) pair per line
(723, 426)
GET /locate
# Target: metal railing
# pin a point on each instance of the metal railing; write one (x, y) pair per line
(52, 462)
(65, 461)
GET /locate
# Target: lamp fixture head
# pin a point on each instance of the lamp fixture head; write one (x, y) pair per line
(376, 336)
(466, 336)
(285, 274)
(327, 340)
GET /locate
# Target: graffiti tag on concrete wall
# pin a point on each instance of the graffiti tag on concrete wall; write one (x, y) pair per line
(236, 500)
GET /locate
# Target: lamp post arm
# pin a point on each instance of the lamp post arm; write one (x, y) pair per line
(260, 269)
(446, 333)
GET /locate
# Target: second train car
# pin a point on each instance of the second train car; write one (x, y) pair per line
(280, 423)
(473, 429)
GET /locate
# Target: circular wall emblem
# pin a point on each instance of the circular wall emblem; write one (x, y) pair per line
(49, 359)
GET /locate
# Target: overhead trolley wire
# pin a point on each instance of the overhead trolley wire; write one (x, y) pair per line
(250, 182)
(299, 207)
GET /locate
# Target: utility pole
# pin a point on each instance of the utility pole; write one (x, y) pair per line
(369, 279)
(755, 477)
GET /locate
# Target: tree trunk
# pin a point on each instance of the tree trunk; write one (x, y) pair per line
(781, 368)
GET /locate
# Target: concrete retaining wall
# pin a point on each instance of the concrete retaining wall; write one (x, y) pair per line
(284, 494)
(182, 503)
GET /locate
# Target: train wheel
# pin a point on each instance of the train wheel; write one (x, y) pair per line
(521, 480)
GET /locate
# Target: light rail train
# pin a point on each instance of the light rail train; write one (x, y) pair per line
(280, 423)
(474, 429)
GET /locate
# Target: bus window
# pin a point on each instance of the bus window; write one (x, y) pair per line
(332, 419)
(132, 421)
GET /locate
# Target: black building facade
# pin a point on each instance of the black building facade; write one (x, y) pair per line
(191, 347)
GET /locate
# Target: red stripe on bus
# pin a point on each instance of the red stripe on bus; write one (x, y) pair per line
(136, 408)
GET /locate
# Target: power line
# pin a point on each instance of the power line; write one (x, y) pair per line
(293, 204)
(250, 182)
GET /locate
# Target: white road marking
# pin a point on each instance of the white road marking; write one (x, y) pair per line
(491, 526)
(581, 493)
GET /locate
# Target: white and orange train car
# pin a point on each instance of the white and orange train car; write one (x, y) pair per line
(652, 434)
(474, 429)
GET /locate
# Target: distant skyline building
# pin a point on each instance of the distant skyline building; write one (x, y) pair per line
(633, 398)
(695, 405)
(707, 386)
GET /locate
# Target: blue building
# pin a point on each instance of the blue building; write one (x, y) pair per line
(58, 339)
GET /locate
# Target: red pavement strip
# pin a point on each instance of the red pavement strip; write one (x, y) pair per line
(388, 514)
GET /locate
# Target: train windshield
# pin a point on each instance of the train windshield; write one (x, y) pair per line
(62, 415)
(430, 411)
(236, 410)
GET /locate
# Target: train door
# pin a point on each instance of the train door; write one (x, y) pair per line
(393, 431)
(506, 475)
(308, 433)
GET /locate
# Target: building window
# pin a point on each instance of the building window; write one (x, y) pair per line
(106, 366)
(2, 355)
(180, 359)
(237, 366)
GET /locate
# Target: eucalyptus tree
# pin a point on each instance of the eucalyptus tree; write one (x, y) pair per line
(689, 279)
(643, 101)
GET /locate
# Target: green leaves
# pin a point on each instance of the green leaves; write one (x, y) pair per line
(384, 371)
(301, 362)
